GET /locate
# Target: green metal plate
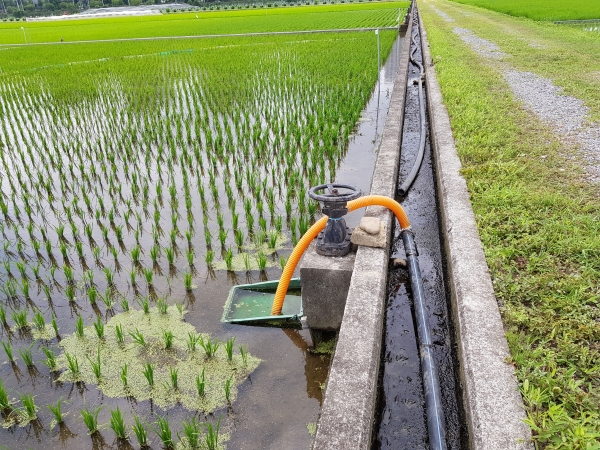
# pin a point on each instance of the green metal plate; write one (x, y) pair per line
(251, 303)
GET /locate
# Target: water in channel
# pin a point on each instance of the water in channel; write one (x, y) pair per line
(401, 420)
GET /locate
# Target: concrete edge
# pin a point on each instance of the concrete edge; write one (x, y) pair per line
(349, 403)
(493, 405)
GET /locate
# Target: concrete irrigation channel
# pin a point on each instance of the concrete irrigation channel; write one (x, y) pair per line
(374, 396)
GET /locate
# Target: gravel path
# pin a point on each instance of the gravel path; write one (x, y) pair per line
(567, 115)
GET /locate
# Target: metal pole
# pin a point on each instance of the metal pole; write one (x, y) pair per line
(24, 36)
(378, 58)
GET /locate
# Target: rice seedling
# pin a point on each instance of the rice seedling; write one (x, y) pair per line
(201, 384)
(92, 295)
(187, 281)
(162, 306)
(110, 278)
(170, 254)
(79, 327)
(39, 322)
(244, 354)
(190, 257)
(99, 327)
(135, 254)
(229, 258)
(173, 375)
(227, 388)
(124, 371)
(273, 236)
(107, 299)
(132, 278)
(3, 316)
(247, 263)
(229, 348)
(70, 292)
(36, 270)
(211, 440)
(57, 411)
(148, 373)
(20, 318)
(210, 346)
(149, 276)
(124, 304)
(117, 424)
(163, 431)
(261, 259)
(90, 418)
(29, 407)
(96, 253)
(46, 290)
(138, 337)
(96, 365)
(191, 433)
(26, 355)
(73, 364)
(168, 338)
(140, 432)
(4, 401)
(50, 360)
(209, 258)
(25, 287)
(155, 253)
(144, 303)
(54, 324)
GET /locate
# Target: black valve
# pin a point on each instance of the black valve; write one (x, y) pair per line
(334, 240)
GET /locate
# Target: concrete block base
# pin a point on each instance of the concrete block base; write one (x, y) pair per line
(325, 282)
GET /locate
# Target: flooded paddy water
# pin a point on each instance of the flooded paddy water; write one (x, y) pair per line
(119, 196)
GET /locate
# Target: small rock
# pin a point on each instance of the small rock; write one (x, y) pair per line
(399, 262)
(371, 225)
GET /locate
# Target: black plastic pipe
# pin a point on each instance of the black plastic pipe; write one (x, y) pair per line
(403, 189)
(431, 384)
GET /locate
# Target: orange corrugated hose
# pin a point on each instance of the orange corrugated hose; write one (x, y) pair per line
(304, 242)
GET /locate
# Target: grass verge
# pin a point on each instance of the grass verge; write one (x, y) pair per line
(539, 224)
(542, 9)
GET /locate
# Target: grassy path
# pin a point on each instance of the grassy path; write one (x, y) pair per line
(539, 218)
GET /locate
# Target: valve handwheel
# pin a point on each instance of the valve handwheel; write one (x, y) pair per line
(333, 194)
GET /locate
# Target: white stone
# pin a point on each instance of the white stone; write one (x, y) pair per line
(371, 225)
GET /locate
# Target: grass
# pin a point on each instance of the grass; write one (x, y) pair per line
(542, 9)
(29, 410)
(201, 384)
(26, 355)
(191, 433)
(538, 220)
(211, 440)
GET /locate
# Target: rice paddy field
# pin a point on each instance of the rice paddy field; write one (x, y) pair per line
(542, 9)
(199, 23)
(139, 181)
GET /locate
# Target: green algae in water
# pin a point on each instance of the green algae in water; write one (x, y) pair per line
(312, 428)
(217, 369)
(46, 334)
(252, 250)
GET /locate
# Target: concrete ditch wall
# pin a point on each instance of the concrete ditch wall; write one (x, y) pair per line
(493, 405)
(349, 405)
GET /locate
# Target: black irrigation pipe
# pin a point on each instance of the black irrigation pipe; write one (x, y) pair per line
(436, 430)
(403, 189)
(206, 36)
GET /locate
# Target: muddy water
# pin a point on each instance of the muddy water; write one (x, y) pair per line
(401, 410)
(274, 404)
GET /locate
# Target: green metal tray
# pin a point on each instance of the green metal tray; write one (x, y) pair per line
(251, 304)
